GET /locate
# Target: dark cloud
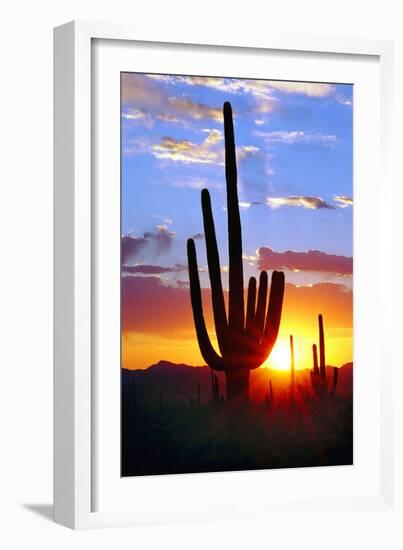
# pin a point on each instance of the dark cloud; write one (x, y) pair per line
(312, 260)
(153, 269)
(155, 242)
(150, 306)
(182, 284)
(132, 246)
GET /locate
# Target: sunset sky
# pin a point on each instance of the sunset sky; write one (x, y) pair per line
(294, 153)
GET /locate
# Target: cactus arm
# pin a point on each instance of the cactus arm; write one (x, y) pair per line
(315, 360)
(236, 299)
(273, 318)
(322, 360)
(261, 304)
(209, 354)
(274, 308)
(250, 308)
(213, 260)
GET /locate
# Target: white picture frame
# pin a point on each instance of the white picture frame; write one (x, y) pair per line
(77, 472)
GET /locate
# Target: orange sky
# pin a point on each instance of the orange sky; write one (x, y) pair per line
(157, 324)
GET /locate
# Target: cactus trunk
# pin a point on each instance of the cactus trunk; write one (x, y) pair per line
(237, 386)
(322, 359)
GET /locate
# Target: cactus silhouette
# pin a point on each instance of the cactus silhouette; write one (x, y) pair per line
(318, 374)
(292, 366)
(215, 389)
(244, 342)
(269, 398)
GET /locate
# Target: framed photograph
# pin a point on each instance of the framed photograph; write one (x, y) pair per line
(222, 345)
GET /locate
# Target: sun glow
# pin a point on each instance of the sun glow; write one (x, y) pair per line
(280, 357)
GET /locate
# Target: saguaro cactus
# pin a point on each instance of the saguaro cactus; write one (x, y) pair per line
(318, 374)
(244, 342)
(292, 366)
(269, 397)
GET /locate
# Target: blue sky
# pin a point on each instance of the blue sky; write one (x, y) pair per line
(294, 149)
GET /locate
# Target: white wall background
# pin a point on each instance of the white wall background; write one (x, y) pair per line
(26, 268)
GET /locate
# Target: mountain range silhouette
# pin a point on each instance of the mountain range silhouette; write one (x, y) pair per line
(179, 381)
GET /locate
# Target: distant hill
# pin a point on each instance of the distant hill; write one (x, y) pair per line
(180, 381)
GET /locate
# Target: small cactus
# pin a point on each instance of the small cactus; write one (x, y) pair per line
(292, 366)
(269, 397)
(318, 373)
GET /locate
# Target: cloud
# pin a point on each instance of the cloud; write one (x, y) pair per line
(132, 246)
(134, 114)
(197, 236)
(310, 89)
(264, 106)
(311, 203)
(135, 146)
(194, 110)
(148, 306)
(312, 260)
(228, 85)
(140, 92)
(214, 136)
(193, 182)
(144, 100)
(183, 150)
(210, 151)
(168, 118)
(345, 101)
(260, 88)
(296, 136)
(153, 269)
(343, 201)
(154, 242)
(245, 150)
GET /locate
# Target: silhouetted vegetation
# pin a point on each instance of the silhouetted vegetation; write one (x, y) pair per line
(245, 343)
(320, 385)
(281, 432)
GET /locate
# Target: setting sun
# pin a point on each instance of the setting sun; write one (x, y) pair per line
(280, 357)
